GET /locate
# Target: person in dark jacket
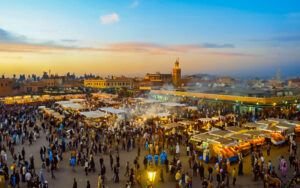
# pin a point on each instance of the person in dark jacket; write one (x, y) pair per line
(74, 183)
(88, 185)
(201, 171)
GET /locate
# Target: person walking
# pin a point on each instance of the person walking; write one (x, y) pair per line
(111, 161)
(268, 149)
(241, 168)
(88, 185)
(127, 169)
(74, 183)
(177, 150)
(201, 171)
(99, 181)
(283, 167)
(233, 174)
(218, 180)
(52, 170)
(86, 166)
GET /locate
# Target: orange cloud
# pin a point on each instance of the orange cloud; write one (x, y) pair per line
(126, 47)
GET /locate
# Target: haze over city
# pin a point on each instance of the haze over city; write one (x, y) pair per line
(133, 37)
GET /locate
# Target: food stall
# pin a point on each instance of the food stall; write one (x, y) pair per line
(275, 134)
(94, 118)
(205, 123)
(191, 127)
(171, 127)
(203, 143)
(224, 149)
(219, 133)
(163, 117)
(252, 125)
(236, 129)
(297, 126)
(286, 128)
(117, 114)
(266, 122)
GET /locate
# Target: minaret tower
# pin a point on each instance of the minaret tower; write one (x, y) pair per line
(177, 74)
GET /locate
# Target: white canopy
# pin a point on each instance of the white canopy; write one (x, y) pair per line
(73, 106)
(192, 108)
(77, 100)
(205, 119)
(93, 114)
(150, 101)
(55, 114)
(112, 110)
(170, 104)
(42, 107)
(63, 102)
(217, 117)
(162, 114)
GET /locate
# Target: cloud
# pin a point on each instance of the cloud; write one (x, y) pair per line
(282, 38)
(135, 4)
(10, 42)
(69, 40)
(110, 18)
(227, 54)
(129, 47)
(6, 36)
(287, 38)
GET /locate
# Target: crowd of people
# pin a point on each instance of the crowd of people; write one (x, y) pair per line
(22, 124)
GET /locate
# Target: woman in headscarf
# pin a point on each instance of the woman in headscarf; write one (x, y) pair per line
(283, 167)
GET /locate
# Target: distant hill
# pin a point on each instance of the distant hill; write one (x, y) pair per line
(210, 76)
(201, 76)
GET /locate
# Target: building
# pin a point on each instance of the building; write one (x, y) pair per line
(294, 82)
(52, 81)
(6, 86)
(177, 74)
(158, 77)
(109, 83)
(278, 75)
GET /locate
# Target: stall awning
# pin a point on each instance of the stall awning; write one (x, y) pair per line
(203, 138)
(238, 136)
(73, 106)
(161, 115)
(219, 133)
(285, 126)
(205, 119)
(112, 110)
(171, 126)
(63, 102)
(151, 101)
(225, 141)
(41, 107)
(77, 100)
(251, 125)
(170, 104)
(235, 129)
(217, 118)
(192, 108)
(186, 122)
(93, 114)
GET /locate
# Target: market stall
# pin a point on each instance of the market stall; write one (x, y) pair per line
(205, 123)
(224, 149)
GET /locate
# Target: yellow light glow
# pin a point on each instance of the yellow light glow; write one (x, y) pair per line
(151, 176)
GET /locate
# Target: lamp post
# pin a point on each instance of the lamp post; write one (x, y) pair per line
(151, 176)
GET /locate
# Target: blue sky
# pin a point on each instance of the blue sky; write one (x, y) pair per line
(267, 31)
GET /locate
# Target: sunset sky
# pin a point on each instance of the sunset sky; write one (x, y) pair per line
(133, 37)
